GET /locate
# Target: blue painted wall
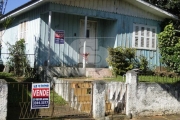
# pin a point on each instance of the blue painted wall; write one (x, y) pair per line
(32, 35)
(112, 30)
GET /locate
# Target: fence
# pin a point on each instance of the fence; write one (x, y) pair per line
(19, 104)
(160, 77)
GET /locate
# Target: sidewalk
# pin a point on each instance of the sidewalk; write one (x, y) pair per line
(170, 117)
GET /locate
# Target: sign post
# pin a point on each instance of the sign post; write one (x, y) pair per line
(40, 95)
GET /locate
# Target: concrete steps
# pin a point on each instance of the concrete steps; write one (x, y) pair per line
(98, 72)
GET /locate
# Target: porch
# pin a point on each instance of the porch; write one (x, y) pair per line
(83, 33)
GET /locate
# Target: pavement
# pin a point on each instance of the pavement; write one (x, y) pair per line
(124, 117)
(169, 117)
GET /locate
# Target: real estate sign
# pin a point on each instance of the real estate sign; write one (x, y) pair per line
(59, 36)
(40, 95)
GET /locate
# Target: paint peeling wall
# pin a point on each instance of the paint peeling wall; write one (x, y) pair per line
(150, 99)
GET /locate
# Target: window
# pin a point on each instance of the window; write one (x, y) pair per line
(144, 37)
(23, 29)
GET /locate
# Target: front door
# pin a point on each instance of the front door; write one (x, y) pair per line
(91, 42)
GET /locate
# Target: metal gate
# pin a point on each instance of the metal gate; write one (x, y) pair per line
(78, 106)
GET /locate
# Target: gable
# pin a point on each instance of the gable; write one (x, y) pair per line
(114, 6)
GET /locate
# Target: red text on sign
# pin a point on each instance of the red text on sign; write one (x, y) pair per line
(40, 93)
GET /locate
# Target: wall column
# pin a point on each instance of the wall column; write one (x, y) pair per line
(99, 99)
(132, 82)
(3, 99)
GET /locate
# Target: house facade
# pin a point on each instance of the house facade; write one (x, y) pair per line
(60, 32)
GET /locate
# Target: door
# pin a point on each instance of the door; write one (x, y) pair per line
(91, 42)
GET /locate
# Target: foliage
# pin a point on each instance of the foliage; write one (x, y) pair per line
(143, 64)
(169, 46)
(6, 22)
(18, 60)
(121, 59)
(4, 74)
(171, 6)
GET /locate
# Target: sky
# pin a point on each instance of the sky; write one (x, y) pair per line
(12, 4)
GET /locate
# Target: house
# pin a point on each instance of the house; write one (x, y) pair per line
(55, 31)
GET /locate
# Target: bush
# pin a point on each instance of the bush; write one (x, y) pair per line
(121, 59)
(18, 61)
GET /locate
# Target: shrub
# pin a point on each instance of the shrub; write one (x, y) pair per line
(18, 61)
(121, 59)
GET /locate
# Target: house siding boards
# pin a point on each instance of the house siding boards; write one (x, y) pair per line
(114, 29)
(113, 6)
(33, 26)
(69, 51)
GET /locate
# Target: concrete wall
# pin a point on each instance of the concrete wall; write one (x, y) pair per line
(3, 99)
(142, 99)
(147, 99)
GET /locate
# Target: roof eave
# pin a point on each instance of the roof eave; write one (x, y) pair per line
(23, 8)
(153, 9)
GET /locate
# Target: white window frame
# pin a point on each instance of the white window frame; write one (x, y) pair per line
(143, 36)
(22, 34)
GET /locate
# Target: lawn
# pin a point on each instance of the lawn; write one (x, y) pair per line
(148, 78)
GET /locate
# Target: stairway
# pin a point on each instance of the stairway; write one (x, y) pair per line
(98, 72)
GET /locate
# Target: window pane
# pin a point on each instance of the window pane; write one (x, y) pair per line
(148, 32)
(136, 30)
(153, 32)
(142, 42)
(136, 41)
(153, 43)
(147, 42)
(142, 31)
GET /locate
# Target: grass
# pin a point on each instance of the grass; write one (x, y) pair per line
(58, 100)
(159, 79)
(147, 78)
(118, 78)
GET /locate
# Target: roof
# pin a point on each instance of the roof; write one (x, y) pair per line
(139, 3)
(152, 9)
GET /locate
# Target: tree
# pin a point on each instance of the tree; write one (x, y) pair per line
(169, 46)
(18, 60)
(171, 6)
